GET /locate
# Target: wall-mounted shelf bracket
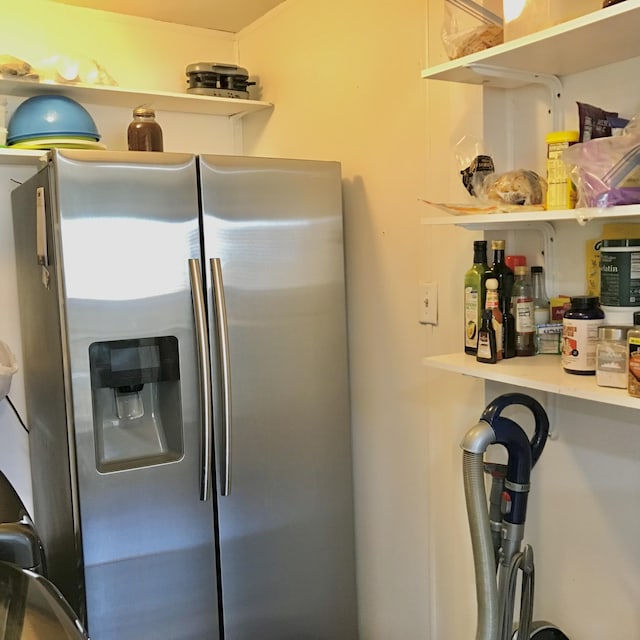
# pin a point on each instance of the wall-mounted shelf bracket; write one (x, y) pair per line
(523, 78)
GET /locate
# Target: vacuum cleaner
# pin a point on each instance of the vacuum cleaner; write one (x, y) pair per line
(497, 526)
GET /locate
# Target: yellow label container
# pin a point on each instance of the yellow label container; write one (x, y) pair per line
(561, 192)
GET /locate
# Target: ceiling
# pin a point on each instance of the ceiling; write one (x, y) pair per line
(224, 15)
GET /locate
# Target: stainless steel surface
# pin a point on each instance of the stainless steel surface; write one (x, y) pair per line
(220, 311)
(148, 542)
(45, 367)
(19, 541)
(275, 558)
(286, 529)
(31, 608)
(204, 366)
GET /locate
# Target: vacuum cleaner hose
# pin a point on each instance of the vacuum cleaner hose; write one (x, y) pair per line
(482, 545)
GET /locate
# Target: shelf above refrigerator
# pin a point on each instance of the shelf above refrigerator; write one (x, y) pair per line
(543, 373)
(21, 157)
(559, 50)
(118, 97)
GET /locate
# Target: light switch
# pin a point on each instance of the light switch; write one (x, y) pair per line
(428, 303)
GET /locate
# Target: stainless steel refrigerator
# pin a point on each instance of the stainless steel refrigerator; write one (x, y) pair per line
(185, 362)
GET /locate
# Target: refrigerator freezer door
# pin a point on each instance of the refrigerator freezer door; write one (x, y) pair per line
(128, 226)
(286, 527)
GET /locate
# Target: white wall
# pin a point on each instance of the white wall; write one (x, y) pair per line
(137, 53)
(345, 80)
(581, 521)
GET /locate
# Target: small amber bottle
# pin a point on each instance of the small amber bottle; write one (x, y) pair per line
(144, 133)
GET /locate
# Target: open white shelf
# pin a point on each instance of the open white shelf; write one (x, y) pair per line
(600, 38)
(21, 156)
(118, 97)
(543, 373)
(590, 41)
(488, 220)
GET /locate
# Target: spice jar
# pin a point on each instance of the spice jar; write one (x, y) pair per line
(633, 340)
(144, 133)
(611, 356)
(580, 335)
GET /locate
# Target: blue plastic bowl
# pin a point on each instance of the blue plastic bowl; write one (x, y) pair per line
(50, 116)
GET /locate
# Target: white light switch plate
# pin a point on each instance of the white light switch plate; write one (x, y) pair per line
(428, 303)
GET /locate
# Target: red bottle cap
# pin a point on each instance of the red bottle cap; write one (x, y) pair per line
(515, 261)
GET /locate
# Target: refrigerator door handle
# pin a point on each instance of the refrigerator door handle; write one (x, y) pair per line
(41, 228)
(220, 311)
(204, 365)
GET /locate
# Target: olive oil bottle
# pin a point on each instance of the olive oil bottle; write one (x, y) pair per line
(474, 296)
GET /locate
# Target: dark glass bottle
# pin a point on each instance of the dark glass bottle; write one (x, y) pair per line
(508, 330)
(474, 296)
(501, 271)
(487, 351)
(144, 133)
(494, 304)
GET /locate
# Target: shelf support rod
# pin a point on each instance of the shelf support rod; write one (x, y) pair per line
(551, 82)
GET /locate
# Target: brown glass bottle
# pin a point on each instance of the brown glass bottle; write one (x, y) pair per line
(144, 133)
(501, 271)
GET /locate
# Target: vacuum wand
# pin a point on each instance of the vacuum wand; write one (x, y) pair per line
(496, 537)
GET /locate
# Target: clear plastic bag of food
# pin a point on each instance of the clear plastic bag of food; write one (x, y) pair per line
(515, 189)
(470, 27)
(606, 171)
(491, 192)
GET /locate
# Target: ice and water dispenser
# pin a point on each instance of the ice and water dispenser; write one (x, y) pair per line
(135, 387)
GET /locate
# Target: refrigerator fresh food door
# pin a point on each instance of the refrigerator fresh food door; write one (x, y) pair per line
(274, 253)
(128, 227)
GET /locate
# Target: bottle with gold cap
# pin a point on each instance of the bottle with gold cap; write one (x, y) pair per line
(144, 133)
(500, 271)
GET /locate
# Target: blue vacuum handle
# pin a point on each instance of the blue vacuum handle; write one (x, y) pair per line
(541, 432)
(515, 493)
(522, 453)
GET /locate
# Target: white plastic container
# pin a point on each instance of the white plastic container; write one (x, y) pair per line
(618, 315)
(8, 367)
(522, 17)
